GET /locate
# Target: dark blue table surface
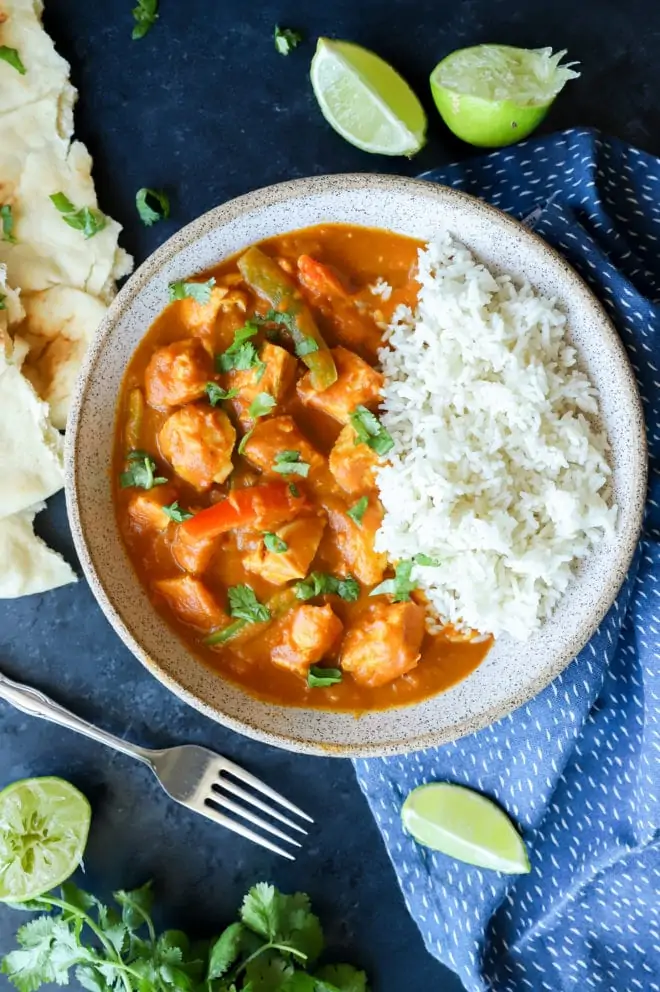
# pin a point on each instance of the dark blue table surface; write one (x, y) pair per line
(204, 107)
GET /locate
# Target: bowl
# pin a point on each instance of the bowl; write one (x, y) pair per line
(512, 673)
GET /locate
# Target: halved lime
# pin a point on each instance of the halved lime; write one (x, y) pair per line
(465, 825)
(365, 100)
(44, 824)
(493, 95)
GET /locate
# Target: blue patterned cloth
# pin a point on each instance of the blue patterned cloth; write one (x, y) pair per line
(579, 767)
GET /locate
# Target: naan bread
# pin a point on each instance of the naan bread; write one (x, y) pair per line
(47, 72)
(28, 565)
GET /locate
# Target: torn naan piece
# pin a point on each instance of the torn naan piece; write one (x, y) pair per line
(46, 71)
(28, 565)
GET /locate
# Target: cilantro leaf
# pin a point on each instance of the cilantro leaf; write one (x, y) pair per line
(242, 354)
(321, 583)
(260, 910)
(145, 16)
(341, 978)
(274, 543)
(358, 510)
(261, 405)
(7, 218)
(244, 605)
(152, 205)
(319, 678)
(286, 39)
(136, 905)
(3, 305)
(225, 951)
(306, 347)
(369, 430)
(217, 394)
(402, 585)
(198, 291)
(293, 489)
(290, 463)
(12, 58)
(140, 472)
(86, 219)
(176, 513)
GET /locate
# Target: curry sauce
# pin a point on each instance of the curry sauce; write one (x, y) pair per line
(242, 398)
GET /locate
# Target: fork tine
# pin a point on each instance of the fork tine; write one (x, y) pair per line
(260, 786)
(226, 783)
(238, 828)
(220, 800)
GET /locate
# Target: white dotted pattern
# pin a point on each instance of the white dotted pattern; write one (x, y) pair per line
(578, 768)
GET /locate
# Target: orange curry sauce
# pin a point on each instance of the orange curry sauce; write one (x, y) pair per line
(348, 314)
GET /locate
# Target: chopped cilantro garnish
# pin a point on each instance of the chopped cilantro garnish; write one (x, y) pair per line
(321, 583)
(176, 513)
(242, 354)
(369, 430)
(293, 489)
(319, 678)
(12, 58)
(86, 219)
(286, 39)
(244, 605)
(217, 394)
(200, 292)
(401, 585)
(274, 543)
(145, 16)
(152, 205)
(261, 405)
(140, 472)
(290, 463)
(7, 218)
(359, 509)
(3, 305)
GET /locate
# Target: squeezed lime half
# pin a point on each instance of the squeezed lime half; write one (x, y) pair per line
(365, 100)
(466, 826)
(493, 95)
(44, 823)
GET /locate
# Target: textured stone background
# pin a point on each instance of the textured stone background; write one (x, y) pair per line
(204, 107)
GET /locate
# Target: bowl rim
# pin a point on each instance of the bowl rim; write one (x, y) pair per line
(215, 218)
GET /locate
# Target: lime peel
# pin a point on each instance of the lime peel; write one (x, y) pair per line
(466, 826)
(365, 100)
(493, 95)
(44, 823)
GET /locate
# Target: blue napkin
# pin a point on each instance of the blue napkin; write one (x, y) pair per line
(578, 769)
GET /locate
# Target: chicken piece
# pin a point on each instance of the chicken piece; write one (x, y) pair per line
(276, 380)
(193, 555)
(275, 435)
(303, 636)
(200, 317)
(302, 538)
(198, 441)
(384, 643)
(177, 374)
(357, 384)
(192, 602)
(352, 463)
(145, 509)
(356, 542)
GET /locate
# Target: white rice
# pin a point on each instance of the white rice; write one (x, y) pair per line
(381, 288)
(497, 468)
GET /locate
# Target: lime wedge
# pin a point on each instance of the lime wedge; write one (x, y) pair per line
(466, 826)
(365, 100)
(44, 824)
(493, 95)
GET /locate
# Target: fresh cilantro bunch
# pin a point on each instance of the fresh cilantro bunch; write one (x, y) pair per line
(273, 947)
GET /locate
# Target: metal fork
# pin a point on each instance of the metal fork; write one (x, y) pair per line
(194, 776)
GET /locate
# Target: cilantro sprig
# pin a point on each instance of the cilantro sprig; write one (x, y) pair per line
(400, 587)
(322, 583)
(241, 354)
(274, 946)
(286, 39)
(244, 605)
(200, 292)
(369, 430)
(145, 16)
(7, 219)
(85, 219)
(217, 394)
(140, 472)
(290, 463)
(152, 205)
(177, 513)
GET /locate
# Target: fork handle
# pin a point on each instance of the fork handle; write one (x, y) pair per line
(35, 703)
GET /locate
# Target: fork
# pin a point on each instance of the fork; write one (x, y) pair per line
(193, 776)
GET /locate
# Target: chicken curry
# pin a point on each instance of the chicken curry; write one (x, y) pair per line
(247, 447)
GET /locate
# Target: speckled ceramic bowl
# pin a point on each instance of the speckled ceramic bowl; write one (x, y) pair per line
(512, 673)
